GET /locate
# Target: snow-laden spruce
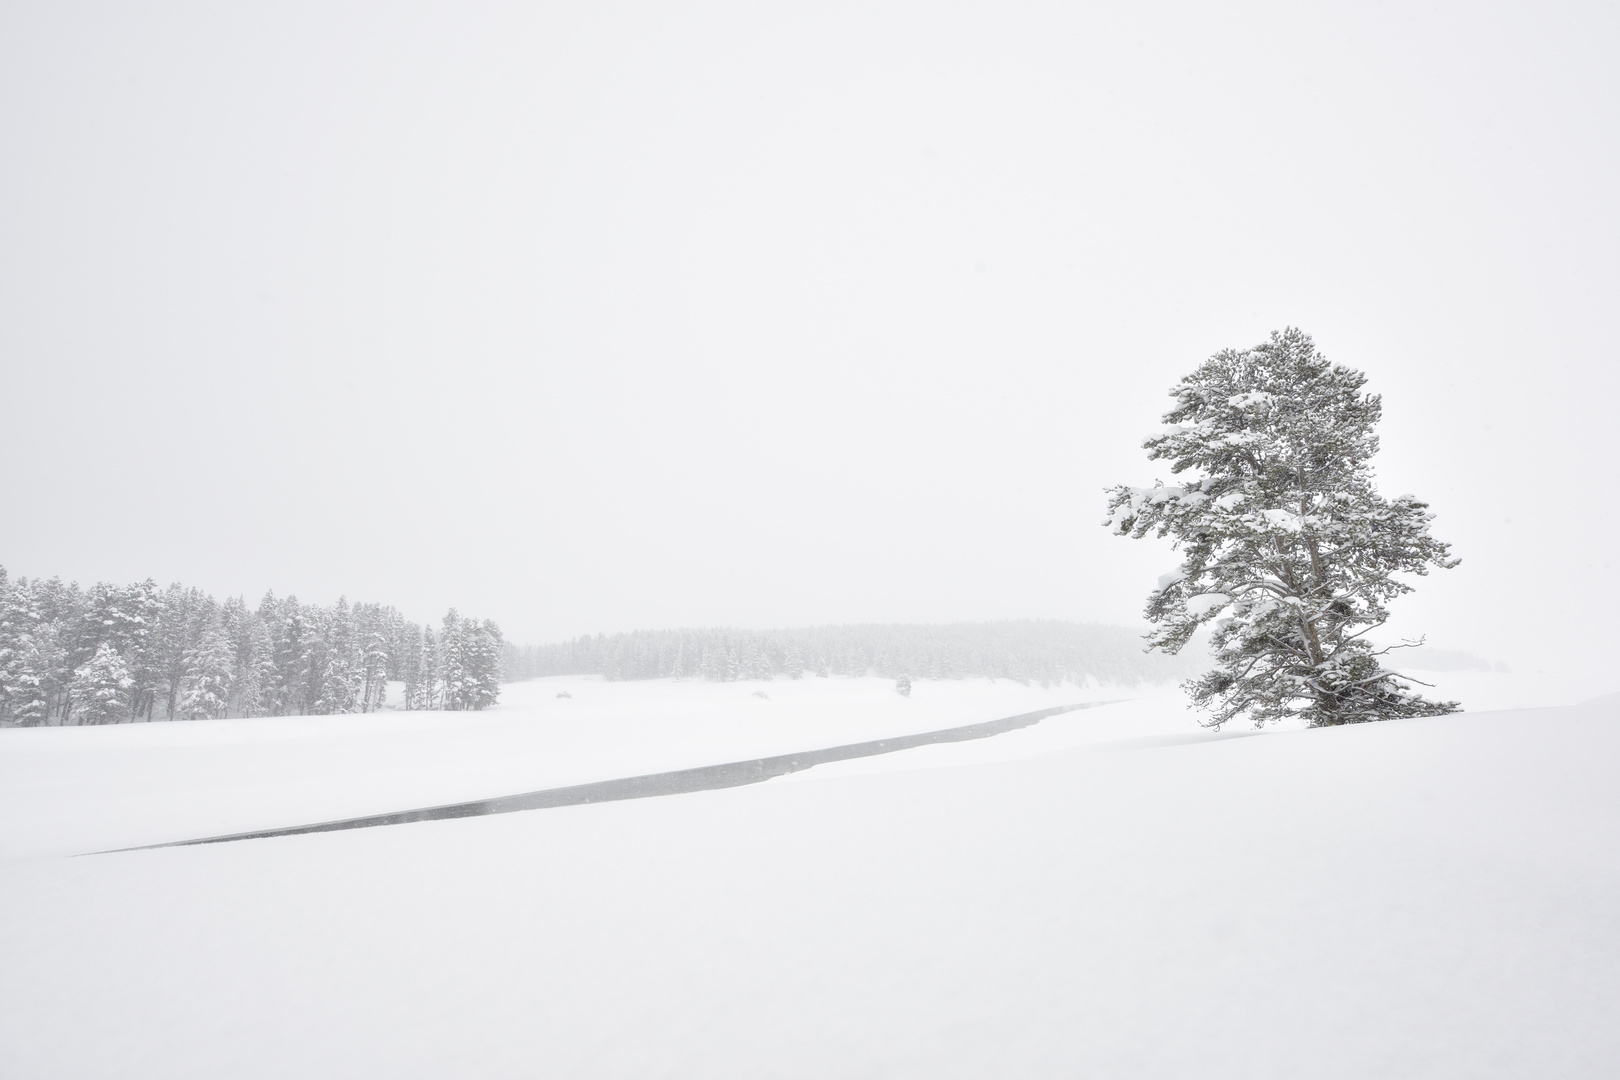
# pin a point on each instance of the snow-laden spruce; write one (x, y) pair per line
(1291, 555)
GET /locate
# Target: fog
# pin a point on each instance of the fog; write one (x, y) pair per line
(592, 317)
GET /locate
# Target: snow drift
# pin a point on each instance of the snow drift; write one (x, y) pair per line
(1120, 895)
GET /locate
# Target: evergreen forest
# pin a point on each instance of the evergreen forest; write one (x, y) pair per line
(114, 654)
(1029, 651)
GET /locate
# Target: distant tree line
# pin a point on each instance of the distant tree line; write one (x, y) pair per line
(114, 654)
(1029, 651)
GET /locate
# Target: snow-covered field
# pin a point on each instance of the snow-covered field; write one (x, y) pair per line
(66, 791)
(1113, 892)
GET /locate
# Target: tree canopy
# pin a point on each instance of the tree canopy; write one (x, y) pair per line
(1290, 555)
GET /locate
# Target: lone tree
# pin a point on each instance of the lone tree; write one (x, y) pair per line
(1290, 552)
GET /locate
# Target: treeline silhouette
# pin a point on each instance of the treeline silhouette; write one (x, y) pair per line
(1029, 651)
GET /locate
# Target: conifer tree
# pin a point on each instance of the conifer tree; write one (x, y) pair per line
(209, 665)
(290, 637)
(340, 675)
(375, 690)
(249, 642)
(754, 664)
(56, 642)
(175, 641)
(453, 661)
(485, 687)
(408, 646)
(100, 689)
(428, 680)
(1289, 552)
(23, 697)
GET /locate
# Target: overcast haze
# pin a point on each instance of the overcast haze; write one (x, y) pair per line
(599, 316)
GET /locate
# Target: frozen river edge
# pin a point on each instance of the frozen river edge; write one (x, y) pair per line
(674, 782)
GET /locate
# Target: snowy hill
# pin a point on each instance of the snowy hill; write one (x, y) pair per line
(1113, 892)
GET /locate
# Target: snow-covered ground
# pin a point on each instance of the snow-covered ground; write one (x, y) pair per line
(66, 791)
(1113, 892)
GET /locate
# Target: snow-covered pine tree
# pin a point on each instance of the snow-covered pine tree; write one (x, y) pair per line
(453, 648)
(209, 665)
(251, 661)
(407, 658)
(1289, 550)
(15, 621)
(143, 658)
(56, 636)
(374, 692)
(300, 657)
(428, 673)
(755, 663)
(397, 628)
(486, 667)
(125, 618)
(100, 688)
(175, 640)
(23, 697)
(342, 672)
(256, 668)
(614, 665)
(274, 692)
(408, 646)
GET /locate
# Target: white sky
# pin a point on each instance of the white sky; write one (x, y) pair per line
(598, 316)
